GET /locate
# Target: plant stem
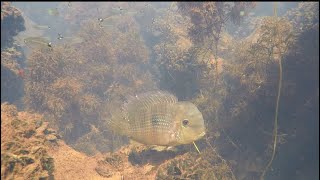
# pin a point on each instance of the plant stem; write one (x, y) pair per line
(275, 130)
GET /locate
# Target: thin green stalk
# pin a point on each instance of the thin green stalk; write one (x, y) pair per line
(275, 131)
(196, 147)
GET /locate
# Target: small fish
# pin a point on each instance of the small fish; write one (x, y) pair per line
(131, 13)
(37, 42)
(40, 27)
(242, 13)
(107, 22)
(59, 36)
(53, 12)
(117, 11)
(158, 118)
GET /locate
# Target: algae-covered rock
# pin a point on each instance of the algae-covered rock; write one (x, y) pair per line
(24, 149)
(12, 23)
(103, 170)
(51, 138)
(11, 76)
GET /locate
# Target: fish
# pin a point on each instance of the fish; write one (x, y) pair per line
(37, 42)
(242, 13)
(110, 21)
(40, 27)
(53, 12)
(117, 11)
(121, 11)
(60, 36)
(158, 118)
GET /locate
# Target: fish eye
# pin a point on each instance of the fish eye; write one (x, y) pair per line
(185, 122)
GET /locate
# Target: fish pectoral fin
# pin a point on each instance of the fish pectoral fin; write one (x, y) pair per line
(164, 148)
(136, 146)
(135, 143)
(172, 148)
(158, 148)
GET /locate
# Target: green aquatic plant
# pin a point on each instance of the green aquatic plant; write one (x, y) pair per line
(251, 81)
(183, 66)
(196, 147)
(276, 37)
(208, 20)
(275, 130)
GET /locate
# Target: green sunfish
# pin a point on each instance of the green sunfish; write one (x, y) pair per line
(157, 118)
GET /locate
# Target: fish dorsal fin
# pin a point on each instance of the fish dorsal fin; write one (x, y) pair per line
(137, 108)
(148, 99)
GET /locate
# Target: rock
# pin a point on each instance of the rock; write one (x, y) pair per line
(12, 23)
(103, 169)
(49, 131)
(51, 138)
(26, 160)
(28, 133)
(42, 128)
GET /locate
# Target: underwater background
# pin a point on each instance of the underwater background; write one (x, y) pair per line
(251, 68)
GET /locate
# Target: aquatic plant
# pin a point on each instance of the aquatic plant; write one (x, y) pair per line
(258, 56)
(71, 84)
(304, 17)
(207, 21)
(276, 39)
(46, 70)
(186, 69)
(209, 18)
